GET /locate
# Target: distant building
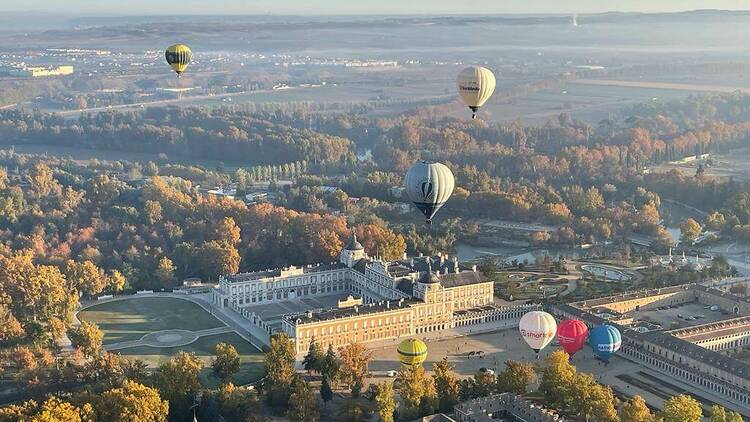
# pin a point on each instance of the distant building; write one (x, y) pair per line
(36, 71)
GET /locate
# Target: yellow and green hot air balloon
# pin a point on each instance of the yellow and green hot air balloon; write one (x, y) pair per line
(178, 56)
(412, 352)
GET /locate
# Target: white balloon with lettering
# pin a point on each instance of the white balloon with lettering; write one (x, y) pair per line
(538, 329)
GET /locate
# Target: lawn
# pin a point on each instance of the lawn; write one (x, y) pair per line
(131, 319)
(250, 370)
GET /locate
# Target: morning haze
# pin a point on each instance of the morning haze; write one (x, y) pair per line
(374, 211)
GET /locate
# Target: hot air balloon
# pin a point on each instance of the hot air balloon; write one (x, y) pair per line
(412, 351)
(537, 329)
(475, 86)
(572, 334)
(605, 340)
(178, 56)
(429, 185)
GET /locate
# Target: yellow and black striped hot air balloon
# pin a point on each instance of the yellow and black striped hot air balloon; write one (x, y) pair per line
(412, 352)
(178, 56)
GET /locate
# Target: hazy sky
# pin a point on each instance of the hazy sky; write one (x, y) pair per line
(324, 7)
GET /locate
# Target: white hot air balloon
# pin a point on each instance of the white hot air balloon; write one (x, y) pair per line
(537, 328)
(429, 185)
(475, 86)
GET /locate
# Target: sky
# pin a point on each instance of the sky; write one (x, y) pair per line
(345, 7)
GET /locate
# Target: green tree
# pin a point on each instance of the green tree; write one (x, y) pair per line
(331, 366)
(303, 406)
(87, 337)
(313, 361)
(326, 393)
(384, 401)
(557, 379)
(516, 377)
(635, 410)
(226, 362)
(178, 380)
(682, 408)
(447, 385)
(132, 402)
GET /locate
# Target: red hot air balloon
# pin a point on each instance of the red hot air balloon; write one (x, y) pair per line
(572, 335)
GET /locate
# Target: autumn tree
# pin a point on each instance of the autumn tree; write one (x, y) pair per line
(85, 277)
(682, 408)
(690, 231)
(88, 337)
(280, 372)
(226, 362)
(592, 400)
(384, 401)
(718, 414)
(164, 273)
(557, 378)
(446, 384)
(52, 410)
(355, 359)
(178, 382)
(636, 410)
(132, 402)
(413, 385)
(516, 377)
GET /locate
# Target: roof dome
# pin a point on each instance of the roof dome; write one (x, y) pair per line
(412, 351)
(353, 245)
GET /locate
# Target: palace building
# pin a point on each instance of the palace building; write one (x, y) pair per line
(363, 299)
(698, 355)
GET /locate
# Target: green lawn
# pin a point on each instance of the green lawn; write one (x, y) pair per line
(252, 360)
(131, 319)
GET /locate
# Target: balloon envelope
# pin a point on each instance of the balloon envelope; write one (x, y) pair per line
(537, 329)
(605, 340)
(475, 86)
(572, 335)
(178, 56)
(429, 185)
(412, 351)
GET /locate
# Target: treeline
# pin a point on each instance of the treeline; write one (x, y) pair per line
(185, 132)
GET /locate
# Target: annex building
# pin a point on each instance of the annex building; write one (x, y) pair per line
(699, 354)
(362, 299)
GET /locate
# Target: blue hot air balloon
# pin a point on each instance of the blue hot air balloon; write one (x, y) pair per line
(605, 340)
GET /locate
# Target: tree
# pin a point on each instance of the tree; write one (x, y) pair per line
(219, 259)
(178, 379)
(516, 377)
(412, 384)
(734, 417)
(116, 282)
(331, 366)
(226, 362)
(384, 401)
(303, 406)
(484, 383)
(447, 385)
(557, 378)
(87, 337)
(85, 277)
(718, 414)
(164, 273)
(326, 393)
(227, 232)
(635, 410)
(355, 359)
(313, 361)
(682, 408)
(690, 230)
(132, 402)
(280, 372)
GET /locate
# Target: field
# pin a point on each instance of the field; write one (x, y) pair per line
(169, 325)
(131, 319)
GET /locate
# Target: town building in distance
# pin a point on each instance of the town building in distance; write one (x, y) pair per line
(23, 70)
(363, 299)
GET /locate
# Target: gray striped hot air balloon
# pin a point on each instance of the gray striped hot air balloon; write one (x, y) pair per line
(429, 185)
